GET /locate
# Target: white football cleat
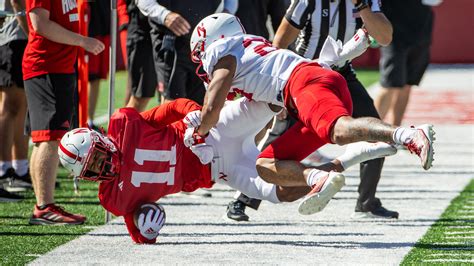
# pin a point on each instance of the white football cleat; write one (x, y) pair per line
(422, 145)
(322, 192)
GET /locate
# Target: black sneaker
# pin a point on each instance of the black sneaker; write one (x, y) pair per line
(18, 183)
(6, 196)
(236, 211)
(379, 212)
(5, 178)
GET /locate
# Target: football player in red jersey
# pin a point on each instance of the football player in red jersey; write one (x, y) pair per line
(148, 155)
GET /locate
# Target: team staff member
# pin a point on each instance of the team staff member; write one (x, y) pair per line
(50, 81)
(404, 61)
(171, 23)
(309, 23)
(140, 65)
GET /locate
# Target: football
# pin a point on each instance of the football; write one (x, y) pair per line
(145, 208)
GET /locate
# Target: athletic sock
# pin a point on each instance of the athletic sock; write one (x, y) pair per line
(403, 135)
(4, 166)
(314, 176)
(20, 166)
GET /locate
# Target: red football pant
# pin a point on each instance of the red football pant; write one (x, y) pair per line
(317, 97)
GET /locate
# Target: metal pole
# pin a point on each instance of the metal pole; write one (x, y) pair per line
(112, 67)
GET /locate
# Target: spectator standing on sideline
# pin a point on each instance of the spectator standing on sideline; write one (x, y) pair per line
(253, 14)
(50, 81)
(140, 65)
(404, 61)
(171, 23)
(99, 28)
(14, 174)
(310, 23)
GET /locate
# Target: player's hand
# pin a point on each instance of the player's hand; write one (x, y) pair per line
(191, 137)
(177, 24)
(193, 119)
(92, 45)
(150, 225)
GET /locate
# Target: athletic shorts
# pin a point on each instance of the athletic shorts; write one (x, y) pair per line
(11, 56)
(402, 65)
(177, 74)
(141, 68)
(50, 99)
(317, 97)
(99, 64)
(235, 152)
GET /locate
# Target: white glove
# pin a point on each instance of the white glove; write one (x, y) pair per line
(204, 152)
(356, 46)
(193, 119)
(151, 225)
(189, 137)
(335, 54)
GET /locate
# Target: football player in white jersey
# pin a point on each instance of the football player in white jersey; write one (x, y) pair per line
(318, 98)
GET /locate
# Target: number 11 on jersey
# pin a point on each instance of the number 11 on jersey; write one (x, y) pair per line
(142, 155)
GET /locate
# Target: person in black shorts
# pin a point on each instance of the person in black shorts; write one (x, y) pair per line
(14, 174)
(141, 68)
(171, 22)
(404, 61)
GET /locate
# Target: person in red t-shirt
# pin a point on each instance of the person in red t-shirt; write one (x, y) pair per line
(50, 81)
(151, 154)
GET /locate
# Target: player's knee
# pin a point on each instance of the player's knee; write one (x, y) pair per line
(264, 168)
(341, 131)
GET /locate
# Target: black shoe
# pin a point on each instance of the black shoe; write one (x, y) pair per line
(18, 183)
(6, 196)
(5, 178)
(236, 211)
(379, 212)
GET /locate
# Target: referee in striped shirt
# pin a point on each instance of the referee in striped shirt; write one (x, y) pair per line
(310, 22)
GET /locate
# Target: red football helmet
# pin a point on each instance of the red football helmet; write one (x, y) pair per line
(89, 155)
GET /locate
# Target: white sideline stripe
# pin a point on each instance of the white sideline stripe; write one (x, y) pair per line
(460, 227)
(460, 233)
(459, 237)
(446, 255)
(446, 260)
(453, 243)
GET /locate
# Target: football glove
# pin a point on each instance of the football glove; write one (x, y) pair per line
(191, 137)
(335, 55)
(193, 119)
(150, 225)
(356, 46)
(204, 152)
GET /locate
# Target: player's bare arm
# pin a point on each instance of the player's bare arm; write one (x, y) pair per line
(377, 25)
(53, 31)
(285, 35)
(217, 92)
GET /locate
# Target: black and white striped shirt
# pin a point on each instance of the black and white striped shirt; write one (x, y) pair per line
(319, 18)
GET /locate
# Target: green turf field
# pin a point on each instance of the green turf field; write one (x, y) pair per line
(451, 239)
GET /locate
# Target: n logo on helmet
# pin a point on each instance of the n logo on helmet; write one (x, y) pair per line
(201, 31)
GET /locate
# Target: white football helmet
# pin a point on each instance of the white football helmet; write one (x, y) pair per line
(212, 28)
(89, 155)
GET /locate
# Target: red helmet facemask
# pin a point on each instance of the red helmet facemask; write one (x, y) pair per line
(102, 162)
